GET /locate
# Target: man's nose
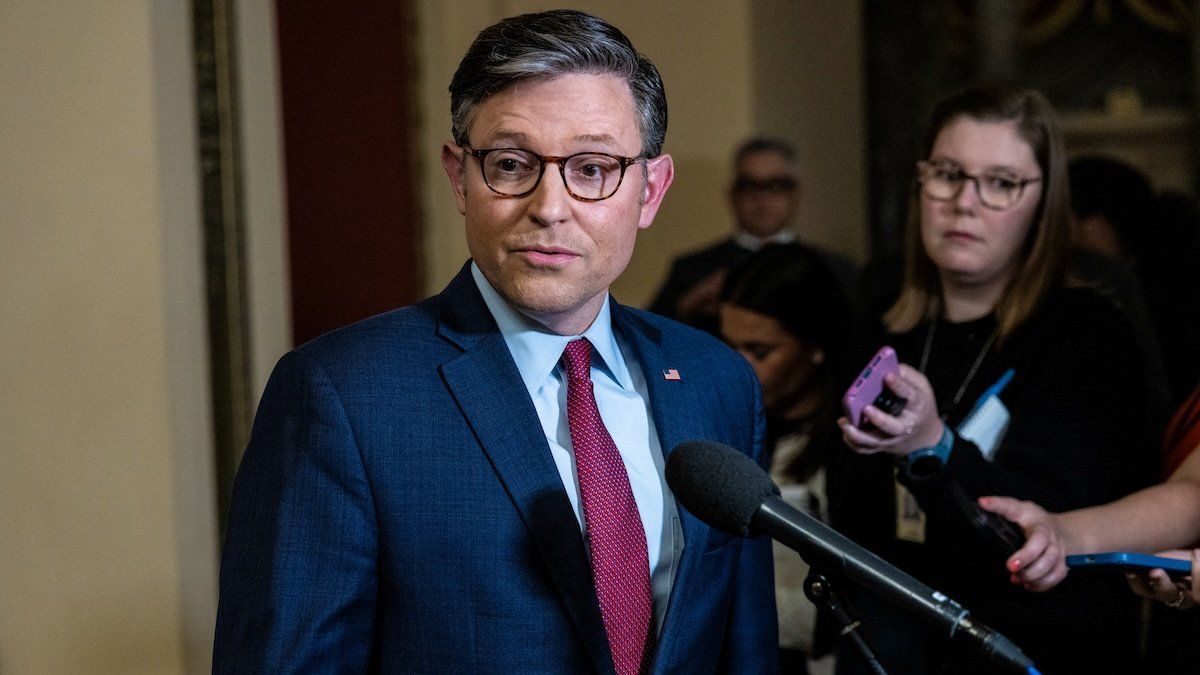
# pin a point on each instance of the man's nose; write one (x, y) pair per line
(550, 202)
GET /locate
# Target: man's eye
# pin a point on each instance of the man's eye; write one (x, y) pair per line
(590, 171)
(511, 164)
(592, 167)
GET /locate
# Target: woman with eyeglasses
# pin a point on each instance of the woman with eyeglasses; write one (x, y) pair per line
(1014, 384)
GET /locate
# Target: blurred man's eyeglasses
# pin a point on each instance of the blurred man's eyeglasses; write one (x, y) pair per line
(588, 176)
(747, 185)
(943, 181)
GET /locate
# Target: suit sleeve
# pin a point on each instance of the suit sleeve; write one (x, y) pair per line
(752, 631)
(298, 572)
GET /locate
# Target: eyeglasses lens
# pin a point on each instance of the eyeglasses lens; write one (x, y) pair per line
(945, 183)
(587, 175)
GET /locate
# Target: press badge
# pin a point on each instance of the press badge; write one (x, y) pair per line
(987, 422)
(910, 519)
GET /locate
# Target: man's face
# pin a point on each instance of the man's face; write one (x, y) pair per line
(549, 254)
(765, 193)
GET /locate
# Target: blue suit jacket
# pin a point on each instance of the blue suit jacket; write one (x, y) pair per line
(398, 509)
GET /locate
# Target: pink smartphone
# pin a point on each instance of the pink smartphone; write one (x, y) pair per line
(868, 387)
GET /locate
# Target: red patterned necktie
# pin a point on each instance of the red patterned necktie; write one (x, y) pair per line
(616, 540)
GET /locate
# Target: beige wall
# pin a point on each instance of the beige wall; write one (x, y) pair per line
(107, 536)
(731, 68)
(808, 88)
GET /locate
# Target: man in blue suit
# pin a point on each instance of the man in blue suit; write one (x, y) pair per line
(475, 483)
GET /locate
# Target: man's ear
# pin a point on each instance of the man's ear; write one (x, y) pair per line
(453, 161)
(660, 173)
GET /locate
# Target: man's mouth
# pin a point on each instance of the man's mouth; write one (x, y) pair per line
(546, 256)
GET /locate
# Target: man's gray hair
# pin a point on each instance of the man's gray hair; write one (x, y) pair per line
(549, 44)
(757, 144)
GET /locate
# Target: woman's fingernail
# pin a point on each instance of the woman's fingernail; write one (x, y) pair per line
(1014, 564)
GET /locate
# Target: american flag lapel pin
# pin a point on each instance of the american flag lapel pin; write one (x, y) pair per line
(672, 375)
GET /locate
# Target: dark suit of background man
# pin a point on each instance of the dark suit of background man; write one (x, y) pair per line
(765, 197)
(441, 488)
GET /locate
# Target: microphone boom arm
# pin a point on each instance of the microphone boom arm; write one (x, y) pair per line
(824, 548)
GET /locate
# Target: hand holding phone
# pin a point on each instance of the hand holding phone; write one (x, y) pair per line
(868, 388)
(1137, 563)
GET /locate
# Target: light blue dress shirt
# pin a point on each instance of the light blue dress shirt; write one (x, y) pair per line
(624, 403)
(751, 242)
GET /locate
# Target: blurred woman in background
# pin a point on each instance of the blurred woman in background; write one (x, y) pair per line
(786, 313)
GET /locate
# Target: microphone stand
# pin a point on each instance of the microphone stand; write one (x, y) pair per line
(825, 595)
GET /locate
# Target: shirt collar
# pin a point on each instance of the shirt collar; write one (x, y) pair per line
(752, 243)
(536, 349)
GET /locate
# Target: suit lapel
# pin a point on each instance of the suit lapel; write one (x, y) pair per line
(487, 386)
(674, 404)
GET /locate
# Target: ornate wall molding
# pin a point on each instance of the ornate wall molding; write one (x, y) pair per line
(224, 245)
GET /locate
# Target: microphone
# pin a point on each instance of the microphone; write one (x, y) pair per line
(730, 492)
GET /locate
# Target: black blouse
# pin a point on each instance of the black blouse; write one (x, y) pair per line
(1075, 402)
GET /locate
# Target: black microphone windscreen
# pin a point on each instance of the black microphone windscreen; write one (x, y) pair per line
(718, 484)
